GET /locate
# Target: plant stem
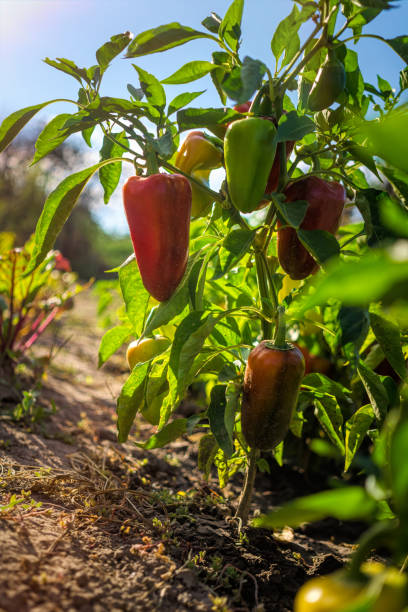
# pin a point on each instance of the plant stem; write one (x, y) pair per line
(264, 295)
(280, 335)
(246, 495)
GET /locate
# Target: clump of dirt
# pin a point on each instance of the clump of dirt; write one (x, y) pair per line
(88, 524)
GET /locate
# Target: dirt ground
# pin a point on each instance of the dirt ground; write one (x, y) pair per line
(92, 525)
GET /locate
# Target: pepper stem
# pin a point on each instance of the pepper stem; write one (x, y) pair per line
(246, 495)
(280, 335)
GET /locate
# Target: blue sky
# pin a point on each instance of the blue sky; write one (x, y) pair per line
(31, 30)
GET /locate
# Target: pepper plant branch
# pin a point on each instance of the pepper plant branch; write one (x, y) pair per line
(263, 294)
(273, 292)
(245, 499)
(301, 50)
(348, 22)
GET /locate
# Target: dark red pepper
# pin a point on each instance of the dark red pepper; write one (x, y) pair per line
(326, 202)
(158, 209)
(271, 385)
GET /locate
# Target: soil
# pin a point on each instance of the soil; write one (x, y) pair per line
(92, 525)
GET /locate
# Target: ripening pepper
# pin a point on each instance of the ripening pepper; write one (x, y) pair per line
(140, 351)
(339, 590)
(198, 153)
(158, 209)
(326, 202)
(329, 84)
(271, 385)
(249, 152)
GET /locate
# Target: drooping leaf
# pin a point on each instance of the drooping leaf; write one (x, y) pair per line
(152, 87)
(109, 175)
(330, 417)
(56, 211)
(375, 390)
(51, 137)
(162, 38)
(207, 450)
(389, 338)
(130, 400)
(322, 245)
(135, 296)
(292, 213)
(112, 340)
(356, 429)
(15, 122)
(216, 417)
(400, 46)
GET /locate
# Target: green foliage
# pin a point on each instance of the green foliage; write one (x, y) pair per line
(350, 318)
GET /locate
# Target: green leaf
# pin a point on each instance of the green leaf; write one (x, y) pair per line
(322, 245)
(192, 118)
(15, 122)
(167, 434)
(400, 46)
(322, 384)
(188, 341)
(152, 88)
(237, 244)
(162, 38)
(388, 137)
(69, 67)
(51, 137)
(135, 296)
(182, 100)
(399, 470)
(293, 127)
(285, 33)
(112, 48)
(393, 215)
(207, 449)
(358, 282)
(166, 311)
(350, 503)
(136, 92)
(330, 417)
(362, 155)
(212, 23)
(243, 81)
(354, 324)
(285, 38)
(190, 72)
(372, 203)
(230, 28)
(356, 430)
(109, 175)
(375, 390)
(56, 211)
(292, 212)
(87, 134)
(131, 400)
(389, 338)
(216, 417)
(112, 340)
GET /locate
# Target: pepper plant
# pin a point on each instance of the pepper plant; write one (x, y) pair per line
(269, 256)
